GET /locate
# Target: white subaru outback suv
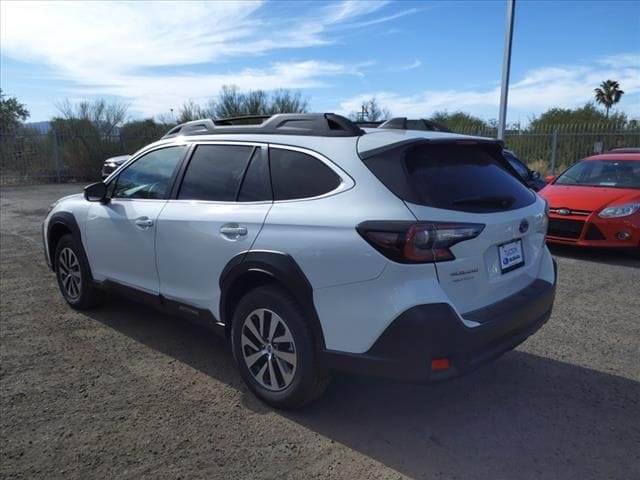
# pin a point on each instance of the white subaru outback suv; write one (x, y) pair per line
(315, 246)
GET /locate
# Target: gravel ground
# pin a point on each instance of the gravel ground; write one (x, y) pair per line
(124, 392)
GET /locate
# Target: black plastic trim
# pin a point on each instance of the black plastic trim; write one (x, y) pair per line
(196, 315)
(246, 169)
(313, 124)
(404, 123)
(412, 141)
(594, 233)
(176, 182)
(538, 291)
(425, 332)
(565, 228)
(282, 268)
(69, 221)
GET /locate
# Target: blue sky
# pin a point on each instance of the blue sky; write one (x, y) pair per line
(415, 57)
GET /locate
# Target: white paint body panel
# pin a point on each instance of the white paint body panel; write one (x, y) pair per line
(120, 250)
(192, 252)
(474, 279)
(320, 234)
(354, 316)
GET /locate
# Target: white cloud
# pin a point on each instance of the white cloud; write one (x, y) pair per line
(403, 68)
(621, 60)
(151, 53)
(152, 94)
(352, 8)
(376, 21)
(537, 91)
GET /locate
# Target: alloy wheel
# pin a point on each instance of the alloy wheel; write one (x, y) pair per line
(268, 349)
(70, 275)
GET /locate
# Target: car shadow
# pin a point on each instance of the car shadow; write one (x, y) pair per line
(609, 256)
(523, 416)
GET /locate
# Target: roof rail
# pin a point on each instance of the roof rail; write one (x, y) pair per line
(403, 123)
(312, 124)
(368, 124)
(243, 120)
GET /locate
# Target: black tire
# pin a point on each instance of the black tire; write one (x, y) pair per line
(83, 294)
(309, 379)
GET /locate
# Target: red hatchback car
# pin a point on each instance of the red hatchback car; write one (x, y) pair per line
(596, 202)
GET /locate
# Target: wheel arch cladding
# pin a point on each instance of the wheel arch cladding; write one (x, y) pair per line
(60, 224)
(247, 271)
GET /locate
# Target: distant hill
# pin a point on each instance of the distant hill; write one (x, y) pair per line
(42, 127)
(45, 126)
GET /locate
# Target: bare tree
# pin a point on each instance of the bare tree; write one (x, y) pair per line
(230, 102)
(371, 111)
(233, 103)
(190, 111)
(285, 101)
(104, 114)
(166, 118)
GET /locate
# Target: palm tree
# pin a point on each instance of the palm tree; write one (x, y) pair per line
(608, 94)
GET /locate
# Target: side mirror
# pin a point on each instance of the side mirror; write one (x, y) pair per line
(549, 178)
(535, 175)
(96, 192)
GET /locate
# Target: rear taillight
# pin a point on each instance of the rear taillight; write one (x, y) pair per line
(410, 242)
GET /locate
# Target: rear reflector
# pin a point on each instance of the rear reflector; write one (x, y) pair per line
(440, 364)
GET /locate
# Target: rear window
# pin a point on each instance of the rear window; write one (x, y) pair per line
(470, 178)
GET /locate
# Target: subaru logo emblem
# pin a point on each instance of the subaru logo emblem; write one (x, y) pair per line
(563, 211)
(524, 226)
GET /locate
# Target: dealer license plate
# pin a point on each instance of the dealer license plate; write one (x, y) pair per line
(511, 256)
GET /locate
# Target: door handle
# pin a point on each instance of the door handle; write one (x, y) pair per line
(144, 222)
(233, 231)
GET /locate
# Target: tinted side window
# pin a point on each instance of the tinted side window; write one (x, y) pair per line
(150, 176)
(298, 175)
(215, 172)
(256, 186)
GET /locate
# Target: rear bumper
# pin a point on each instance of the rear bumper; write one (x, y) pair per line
(434, 331)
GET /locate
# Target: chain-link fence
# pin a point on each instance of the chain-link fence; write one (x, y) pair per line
(32, 156)
(553, 148)
(35, 156)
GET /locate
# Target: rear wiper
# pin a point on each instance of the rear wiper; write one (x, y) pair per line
(503, 202)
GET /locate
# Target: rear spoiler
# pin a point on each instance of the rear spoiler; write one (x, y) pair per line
(416, 141)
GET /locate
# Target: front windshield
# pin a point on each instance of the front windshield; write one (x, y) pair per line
(603, 173)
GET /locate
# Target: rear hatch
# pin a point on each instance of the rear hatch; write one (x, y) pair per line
(455, 183)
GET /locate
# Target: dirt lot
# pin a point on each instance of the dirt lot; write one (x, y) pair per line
(123, 392)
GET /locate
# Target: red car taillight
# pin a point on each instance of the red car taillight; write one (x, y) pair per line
(421, 242)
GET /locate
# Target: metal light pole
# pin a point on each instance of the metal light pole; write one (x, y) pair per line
(506, 67)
